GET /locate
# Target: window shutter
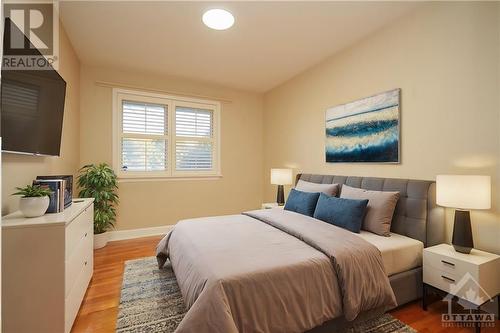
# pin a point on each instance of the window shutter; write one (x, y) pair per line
(144, 154)
(193, 122)
(194, 139)
(193, 155)
(144, 142)
(144, 118)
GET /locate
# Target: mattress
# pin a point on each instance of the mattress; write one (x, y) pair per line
(399, 253)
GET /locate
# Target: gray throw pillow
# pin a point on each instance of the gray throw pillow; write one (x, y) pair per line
(380, 209)
(329, 189)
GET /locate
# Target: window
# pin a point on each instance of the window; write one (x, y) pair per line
(164, 136)
(144, 137)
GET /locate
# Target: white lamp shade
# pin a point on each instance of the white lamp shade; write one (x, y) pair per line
(463, 191)
(281, 176)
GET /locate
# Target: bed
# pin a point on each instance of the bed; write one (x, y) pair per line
(279, 271)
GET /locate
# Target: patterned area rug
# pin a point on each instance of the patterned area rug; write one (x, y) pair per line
(152, 302)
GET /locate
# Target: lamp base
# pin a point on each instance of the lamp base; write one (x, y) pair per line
(462, 239)
(280, 197)
(462, 249)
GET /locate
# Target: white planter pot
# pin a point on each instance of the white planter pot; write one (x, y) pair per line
(100, 240)
(34, 207)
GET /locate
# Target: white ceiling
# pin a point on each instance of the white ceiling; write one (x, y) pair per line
(269, 43)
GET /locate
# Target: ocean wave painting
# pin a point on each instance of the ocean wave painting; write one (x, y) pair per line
(366, 130)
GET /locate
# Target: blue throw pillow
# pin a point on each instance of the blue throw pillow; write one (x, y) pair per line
(302, 202)
(344, 213)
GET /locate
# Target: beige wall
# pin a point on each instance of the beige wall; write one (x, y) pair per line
(20, 170)
(445, 58)
(156, 203)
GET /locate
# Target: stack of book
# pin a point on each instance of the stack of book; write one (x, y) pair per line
(57, 187)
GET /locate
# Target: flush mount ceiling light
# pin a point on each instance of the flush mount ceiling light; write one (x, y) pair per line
(218, 19)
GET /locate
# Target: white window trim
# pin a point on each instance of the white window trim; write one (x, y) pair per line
(171, 101)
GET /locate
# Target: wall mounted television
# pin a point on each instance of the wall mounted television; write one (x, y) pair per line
(32, 104)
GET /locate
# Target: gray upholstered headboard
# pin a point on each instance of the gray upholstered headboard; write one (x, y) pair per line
(416, 215)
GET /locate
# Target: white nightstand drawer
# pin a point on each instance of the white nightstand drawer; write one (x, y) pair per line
(439, 279)
(449, 265)
(452, 284)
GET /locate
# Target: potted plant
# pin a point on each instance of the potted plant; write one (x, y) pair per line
(34, 201)
(99, 182)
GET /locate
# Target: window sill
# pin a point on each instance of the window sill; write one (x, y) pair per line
(169, 178)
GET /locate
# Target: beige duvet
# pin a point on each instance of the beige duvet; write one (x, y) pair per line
(271, 271)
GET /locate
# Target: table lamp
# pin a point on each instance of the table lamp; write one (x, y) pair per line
(463, 192)
(281, 177)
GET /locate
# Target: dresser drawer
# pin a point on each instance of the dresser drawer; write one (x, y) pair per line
(450, 265)
(78, 229)
(79, 259)
(77, 292)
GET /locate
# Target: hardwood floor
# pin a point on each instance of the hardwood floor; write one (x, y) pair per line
(430, 321)
(100, 305)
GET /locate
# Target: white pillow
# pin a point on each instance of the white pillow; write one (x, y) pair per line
(329, 189)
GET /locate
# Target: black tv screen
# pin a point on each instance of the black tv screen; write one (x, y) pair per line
(32, 106)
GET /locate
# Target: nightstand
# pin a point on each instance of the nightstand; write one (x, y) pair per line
(472, 278)
(269, 205)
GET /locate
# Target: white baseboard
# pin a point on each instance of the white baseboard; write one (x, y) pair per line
(137, 233)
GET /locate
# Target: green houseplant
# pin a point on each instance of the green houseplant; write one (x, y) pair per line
(99, 181)
(34, 200)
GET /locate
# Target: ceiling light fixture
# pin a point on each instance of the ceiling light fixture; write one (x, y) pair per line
(218, 19)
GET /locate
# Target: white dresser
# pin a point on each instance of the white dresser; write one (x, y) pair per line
(47, 264)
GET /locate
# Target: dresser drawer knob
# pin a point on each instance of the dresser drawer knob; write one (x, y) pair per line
(448, 279)
(448, 263)
(85, 263)
(85, 235)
